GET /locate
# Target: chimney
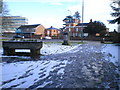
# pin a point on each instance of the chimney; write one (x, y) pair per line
(90, 20)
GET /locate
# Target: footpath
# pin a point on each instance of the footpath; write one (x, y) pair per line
(88, 68)
(82, 67)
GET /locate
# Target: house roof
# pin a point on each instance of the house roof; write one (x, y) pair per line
(84, 24)
(9, 32)
(52, 28)
(29, 26)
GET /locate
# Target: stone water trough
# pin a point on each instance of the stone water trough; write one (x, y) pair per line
(10, 46)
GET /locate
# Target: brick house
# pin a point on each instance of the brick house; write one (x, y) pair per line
(33, 31)
(73, 26)
(53, 32)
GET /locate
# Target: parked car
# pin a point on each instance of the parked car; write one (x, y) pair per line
(18, 36)
(47, 37)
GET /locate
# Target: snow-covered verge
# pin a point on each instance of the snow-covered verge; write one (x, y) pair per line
(112, 53)
(48, 49)
(56, 48)
(25, 74)
(74, 67)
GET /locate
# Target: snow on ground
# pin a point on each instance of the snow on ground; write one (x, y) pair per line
(112, 51)
(1, 51)
(55, 48)
(47, 49)
(50, 48)
(34, 71)
(26, 73)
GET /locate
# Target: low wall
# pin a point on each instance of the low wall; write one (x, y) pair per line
(92, 38)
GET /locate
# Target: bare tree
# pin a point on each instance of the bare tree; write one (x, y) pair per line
(4, 17)
(0, 7)
(4, 8)
(0, 16)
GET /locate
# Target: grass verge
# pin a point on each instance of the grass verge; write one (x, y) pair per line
(62, 42)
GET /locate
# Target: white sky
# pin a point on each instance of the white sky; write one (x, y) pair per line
(52, 12)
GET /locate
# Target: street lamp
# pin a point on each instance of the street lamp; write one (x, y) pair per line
(70, 20)
(82, 20)
(70, 12)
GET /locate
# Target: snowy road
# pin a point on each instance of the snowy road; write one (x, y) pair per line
(82, 66)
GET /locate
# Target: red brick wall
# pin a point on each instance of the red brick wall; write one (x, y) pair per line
(40, 30)
(52, 32)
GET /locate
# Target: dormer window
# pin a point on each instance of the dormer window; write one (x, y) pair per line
(27, 29)
(18, 30)
(33, 29)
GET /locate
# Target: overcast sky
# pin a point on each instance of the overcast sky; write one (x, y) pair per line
(52, 12)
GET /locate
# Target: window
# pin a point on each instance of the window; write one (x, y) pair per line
(33, 29)
(76, 29)
(27, 29)
(73, 34)
(48, 33)
(70, 33)
(69, 29)
(76, 34)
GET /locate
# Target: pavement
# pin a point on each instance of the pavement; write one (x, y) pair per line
(87, 67)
